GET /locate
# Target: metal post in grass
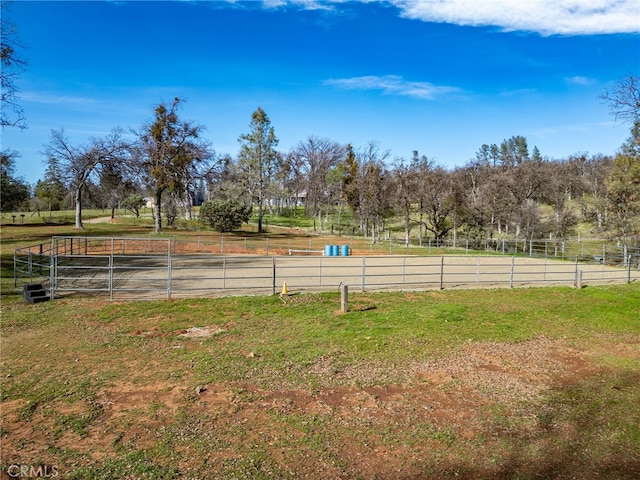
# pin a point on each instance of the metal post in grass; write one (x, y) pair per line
(363, 272)
(628, 268)
(578, 282)
(442, 272)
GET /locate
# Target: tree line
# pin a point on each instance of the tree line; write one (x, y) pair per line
(507, 189)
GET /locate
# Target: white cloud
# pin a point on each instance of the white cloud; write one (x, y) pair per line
(392, 85)
(579, 80)
(546, 17)
(56, 99)
(303, 4)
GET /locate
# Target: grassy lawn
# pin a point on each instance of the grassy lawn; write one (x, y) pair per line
(503, 383)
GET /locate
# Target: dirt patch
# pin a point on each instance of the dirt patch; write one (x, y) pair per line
(508, 372)
(192, 332)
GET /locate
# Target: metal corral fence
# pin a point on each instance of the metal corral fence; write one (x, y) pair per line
(146, 268)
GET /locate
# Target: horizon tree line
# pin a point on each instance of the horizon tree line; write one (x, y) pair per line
(503, 190)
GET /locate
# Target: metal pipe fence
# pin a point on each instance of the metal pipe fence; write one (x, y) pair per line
(134, 268)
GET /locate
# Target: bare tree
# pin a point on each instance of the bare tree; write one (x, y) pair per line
(373, 189)
(624, 99)
(405, 183)
(80, 163)
(292, 178)
(315, 158)
(11, 113)
(560, 182)
(438, 202)
(115, 185)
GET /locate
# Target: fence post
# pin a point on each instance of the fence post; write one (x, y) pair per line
(363, 272)
(628, 268)
(111, 277)
(224, 272)
(578, 279)
(513, 264)
(169, 276)
(344, 298)
(442, 272)
(624, 254)
(30, 267)
(404, 269)
(52, 276)
(273, 274)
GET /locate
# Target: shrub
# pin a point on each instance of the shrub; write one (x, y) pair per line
(224, 215)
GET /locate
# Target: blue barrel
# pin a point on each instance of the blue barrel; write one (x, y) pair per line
(327, 250)
(334, 250)
(345, 250)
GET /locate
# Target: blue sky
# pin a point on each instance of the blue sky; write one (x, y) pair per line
(438, 76)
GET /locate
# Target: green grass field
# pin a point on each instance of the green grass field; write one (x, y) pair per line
(489, 384)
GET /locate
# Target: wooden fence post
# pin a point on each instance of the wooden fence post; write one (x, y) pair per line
(344, 298)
